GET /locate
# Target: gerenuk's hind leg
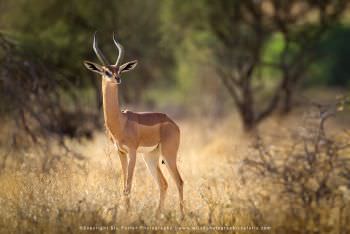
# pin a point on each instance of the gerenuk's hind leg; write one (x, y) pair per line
(169, 148)
(151, 160)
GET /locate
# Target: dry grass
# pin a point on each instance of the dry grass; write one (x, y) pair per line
(89, 193)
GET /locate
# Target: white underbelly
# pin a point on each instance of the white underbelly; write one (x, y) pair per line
(140, 149)
(146, 149)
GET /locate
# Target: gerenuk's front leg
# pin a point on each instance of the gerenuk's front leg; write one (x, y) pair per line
(131, 167)
(124, 162)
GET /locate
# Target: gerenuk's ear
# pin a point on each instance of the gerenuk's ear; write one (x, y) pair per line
(93, 67)
(128, 66)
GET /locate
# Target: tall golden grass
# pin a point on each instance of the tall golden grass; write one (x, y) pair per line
(74, 196)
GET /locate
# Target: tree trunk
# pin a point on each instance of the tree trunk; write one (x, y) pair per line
(246, 107)
(248, 118)
(287, 101)
(249, 125)
(287, 93)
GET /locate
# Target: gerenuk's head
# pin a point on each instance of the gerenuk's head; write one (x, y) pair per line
(108, 71)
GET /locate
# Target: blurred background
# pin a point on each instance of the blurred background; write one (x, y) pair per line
(208, 64)
(195, 58)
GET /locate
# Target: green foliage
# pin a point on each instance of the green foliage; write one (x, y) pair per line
(174, 41)
(60, 33)
(334, 66)
(271, 54)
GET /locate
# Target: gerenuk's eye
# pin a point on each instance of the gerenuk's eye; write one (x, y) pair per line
(108, 73)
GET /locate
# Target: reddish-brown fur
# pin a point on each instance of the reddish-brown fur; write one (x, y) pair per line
(130, 130)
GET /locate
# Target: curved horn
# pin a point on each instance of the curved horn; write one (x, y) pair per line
(98, 52)
(120, 50)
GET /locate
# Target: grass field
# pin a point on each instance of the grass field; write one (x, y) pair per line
(77, 196)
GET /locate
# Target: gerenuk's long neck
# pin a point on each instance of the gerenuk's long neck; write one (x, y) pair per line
(111, 109)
